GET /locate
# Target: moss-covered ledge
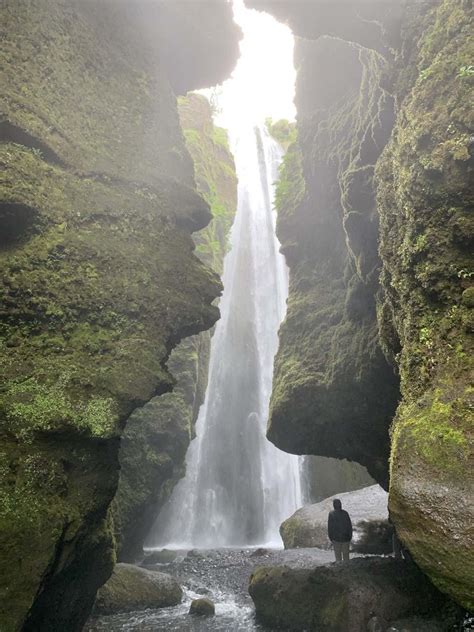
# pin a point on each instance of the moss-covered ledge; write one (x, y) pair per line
(99, 282)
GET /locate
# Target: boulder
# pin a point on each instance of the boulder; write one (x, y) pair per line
(374, 537)
(307, 527)
(133, 588)
(202, 606)
(341, 597)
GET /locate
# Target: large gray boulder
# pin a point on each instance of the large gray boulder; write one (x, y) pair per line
(133, 588)
(342, 596)
(307, 527)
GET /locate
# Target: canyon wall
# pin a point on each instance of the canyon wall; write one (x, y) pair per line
(375, 219)
(157, 436)
(99, 275)
(334, 392)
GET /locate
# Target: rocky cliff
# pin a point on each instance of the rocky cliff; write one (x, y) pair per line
(379, 244)
(330, 371)
(99, 277)
(157, 436)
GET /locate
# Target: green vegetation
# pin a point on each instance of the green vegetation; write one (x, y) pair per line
(282, 131)
(425, 198)
(39, 407)
(290, 185)
(157, 436)
(215, 176)
(329, 359)
(99, 280)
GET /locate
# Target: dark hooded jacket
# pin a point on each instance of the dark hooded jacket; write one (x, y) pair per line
(339, 526)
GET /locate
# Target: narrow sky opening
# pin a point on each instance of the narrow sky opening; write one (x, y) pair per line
(263, 82)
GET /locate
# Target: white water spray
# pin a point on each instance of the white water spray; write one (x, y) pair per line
(238, 487)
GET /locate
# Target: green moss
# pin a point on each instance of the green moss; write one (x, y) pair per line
(436, 431)
(99, 280)
(282, 131)
(290, 186)
(157, 436)
(333, 611)
(131, 141)
(424, 202)
(214, 173)
(39, 407)
(329, 360)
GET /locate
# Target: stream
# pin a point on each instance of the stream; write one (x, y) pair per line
(222, 575)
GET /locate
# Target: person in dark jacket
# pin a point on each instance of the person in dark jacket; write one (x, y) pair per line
(340, 530)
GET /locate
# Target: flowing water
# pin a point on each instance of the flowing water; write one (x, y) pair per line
(221, 575)
(238, 487)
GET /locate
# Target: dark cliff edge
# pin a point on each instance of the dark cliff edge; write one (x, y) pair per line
(157, 436)
(375, 219)
(99, 276)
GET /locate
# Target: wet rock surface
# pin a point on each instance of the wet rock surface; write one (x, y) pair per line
(133, 588)
(202, 607)
(99, 276)
(411, 204)
(307, 527)
(221, 576)
(343, 596)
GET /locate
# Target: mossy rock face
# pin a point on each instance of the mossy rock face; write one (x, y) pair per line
(342, 596)
(422, 185)
(133, 588)
(157, 436)
(99, 281)
(334, 392)
(425, 202)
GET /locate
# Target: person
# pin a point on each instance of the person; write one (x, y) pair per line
(340, 530)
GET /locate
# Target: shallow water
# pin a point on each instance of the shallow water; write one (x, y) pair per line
(229, 616)
(221, 575)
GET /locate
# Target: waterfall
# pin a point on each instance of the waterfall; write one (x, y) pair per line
(238, 487)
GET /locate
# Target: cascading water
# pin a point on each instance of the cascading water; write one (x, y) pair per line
(238, 487)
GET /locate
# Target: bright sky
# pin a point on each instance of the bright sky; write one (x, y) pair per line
(263, 81)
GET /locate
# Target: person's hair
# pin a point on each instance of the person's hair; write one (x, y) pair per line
(336, 503)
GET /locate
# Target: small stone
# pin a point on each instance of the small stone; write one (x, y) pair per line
(202, 607)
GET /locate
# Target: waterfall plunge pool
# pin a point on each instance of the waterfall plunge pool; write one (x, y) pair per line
(222, 575)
